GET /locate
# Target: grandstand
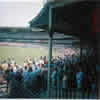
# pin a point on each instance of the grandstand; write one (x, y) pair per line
(66, 68)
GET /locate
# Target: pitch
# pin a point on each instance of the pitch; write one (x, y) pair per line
(19, 53)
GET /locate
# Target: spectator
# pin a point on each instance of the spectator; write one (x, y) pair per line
(54, 77)
(59, 79)
(65, 82)
(34, 67)
(7, 73)
(79, 78)
(25, 69)
(30, 69)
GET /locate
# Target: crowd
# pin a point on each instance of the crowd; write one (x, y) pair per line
(75, 73)
(29, 76)
(66, 72)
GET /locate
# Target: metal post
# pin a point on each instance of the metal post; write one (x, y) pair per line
(50, 51)
(81, 44)
(49, 65)
(81, 54)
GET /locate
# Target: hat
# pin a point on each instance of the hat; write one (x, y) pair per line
(29, 62)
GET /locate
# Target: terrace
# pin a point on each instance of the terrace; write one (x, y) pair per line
(69, 23)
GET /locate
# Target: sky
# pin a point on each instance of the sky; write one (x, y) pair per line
(17, 13)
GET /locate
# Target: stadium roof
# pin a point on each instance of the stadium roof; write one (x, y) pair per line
(71, 17)
(20, 29)
(34, 36)
(26, 35)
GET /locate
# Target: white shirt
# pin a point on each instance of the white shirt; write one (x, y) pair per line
(41, 62)
(33, 67)
(37, 63)
(14, 69)
(12, 61)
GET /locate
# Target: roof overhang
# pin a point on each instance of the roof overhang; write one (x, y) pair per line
(71, 17)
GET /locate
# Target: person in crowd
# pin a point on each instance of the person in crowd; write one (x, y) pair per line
(65, 81)
(15, 67)
(43, 68)
(25, 69)
(69, 74)
(37, 63)
(93, 83)
(54, 77)
(7, 73)
(11, 82)
(30, 69)
(9, 61)
(13, 61)
(34, 67)
(79, 78)
(59, 79)
(18, 85)
(73, 75)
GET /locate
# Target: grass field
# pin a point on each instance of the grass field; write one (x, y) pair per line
(19, 53)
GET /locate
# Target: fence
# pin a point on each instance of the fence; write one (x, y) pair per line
(38, 89)
(73, 93)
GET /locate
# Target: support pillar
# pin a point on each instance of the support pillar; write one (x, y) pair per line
(81, 53)
(49, 66)
(50, 27)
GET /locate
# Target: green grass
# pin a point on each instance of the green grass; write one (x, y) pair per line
(19, 53)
